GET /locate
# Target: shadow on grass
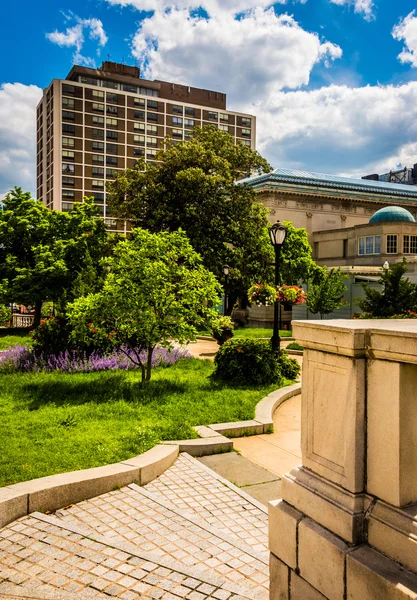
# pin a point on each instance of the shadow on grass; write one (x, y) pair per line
(113, 387)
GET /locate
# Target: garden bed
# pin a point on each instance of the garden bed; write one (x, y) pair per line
(55, 422)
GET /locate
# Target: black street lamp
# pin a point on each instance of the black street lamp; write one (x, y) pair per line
(277, 233)
(226, 271)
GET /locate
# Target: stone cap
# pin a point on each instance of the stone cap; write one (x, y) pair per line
(386, 339)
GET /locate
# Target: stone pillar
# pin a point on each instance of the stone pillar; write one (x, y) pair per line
(346, 527)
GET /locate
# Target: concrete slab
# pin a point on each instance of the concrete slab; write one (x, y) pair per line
(264, 492)
(237, 469)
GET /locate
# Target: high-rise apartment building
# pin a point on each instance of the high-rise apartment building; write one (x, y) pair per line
(99, 121)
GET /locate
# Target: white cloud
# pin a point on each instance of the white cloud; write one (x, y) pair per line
(364, 7)
(213, 7)
(406, 31)
(17, 136)
(250, 57)
(338, 129)
(73, 37)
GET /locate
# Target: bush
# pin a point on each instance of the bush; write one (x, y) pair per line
(247, 361)
(5, 315)
(294, 346)
(289, 367)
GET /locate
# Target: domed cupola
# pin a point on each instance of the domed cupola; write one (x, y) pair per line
(390, 214)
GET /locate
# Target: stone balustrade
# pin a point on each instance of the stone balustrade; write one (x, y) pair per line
(346, 528)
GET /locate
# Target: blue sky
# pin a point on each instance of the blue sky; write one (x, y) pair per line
(333, 83)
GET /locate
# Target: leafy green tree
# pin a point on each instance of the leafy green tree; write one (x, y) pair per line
(296, 256)
(325, 292)
(398, 294)
(156, 290)
(193, 188)
(42, 252)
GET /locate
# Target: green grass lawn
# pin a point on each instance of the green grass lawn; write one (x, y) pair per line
(56, 422)
(12, 339)
(255, 332)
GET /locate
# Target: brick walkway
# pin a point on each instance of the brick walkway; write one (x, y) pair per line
(187, 535)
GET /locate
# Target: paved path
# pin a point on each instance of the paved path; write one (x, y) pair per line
(188, 535)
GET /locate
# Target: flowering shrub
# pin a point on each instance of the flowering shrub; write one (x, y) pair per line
(262, 294)
(19, 358)
(291, 294)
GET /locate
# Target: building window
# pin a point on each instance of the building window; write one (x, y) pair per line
(245, 143)
(152, 129)
(111, 148)
(111, 160)
(67, 206)
(111, 172)
(176, 120)
(139, 114)
(246, 132)
(66, 128)
(68, 115)
(68, 89)
(98, 134)
(139, 139)
(151, 142)
(112, 97)
(138, 152)
(68, 181)
(99, 94)
(224, 117)
(152, 116)
(371, 244)
(410, 244)
(68, 102)
(189, 122)
(150, 153)
(111, 122)
(392, 243)
(246, 122)
(98, 120)
(177, 133)
(98, 107)
(97, 183)
(139, 126)
(68, 194)
(111, 135)
(98, 171)
(67, 168)
(189, 111)
(68, 155)
(224, 128)
(177, 109)
(112, 110)
(97, 159)
(213, 116)
(139, 101)
(152, 105)
(98, 146)
(68, 142)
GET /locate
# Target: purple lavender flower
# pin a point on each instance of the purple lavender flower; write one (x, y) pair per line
(19, 358)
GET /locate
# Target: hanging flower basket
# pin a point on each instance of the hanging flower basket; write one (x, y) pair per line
(291, 294)
(261, 294)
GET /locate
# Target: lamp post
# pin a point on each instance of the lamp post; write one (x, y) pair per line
(277, 233)
(226, 271)
(385, 265)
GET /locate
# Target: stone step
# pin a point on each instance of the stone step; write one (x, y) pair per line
(45, 555)
(150, 522)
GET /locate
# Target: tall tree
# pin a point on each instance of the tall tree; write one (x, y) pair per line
(398, 294)
(193, 188)
(43, 251)
(325, 292)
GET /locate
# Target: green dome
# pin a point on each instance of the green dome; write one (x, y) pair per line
(392, 213)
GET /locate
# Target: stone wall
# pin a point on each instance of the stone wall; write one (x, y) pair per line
(346, 528)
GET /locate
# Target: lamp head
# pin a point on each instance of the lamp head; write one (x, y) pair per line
(278, 233)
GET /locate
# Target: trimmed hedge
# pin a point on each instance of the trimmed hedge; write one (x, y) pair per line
(252, 361)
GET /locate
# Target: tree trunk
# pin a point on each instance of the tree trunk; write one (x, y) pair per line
(38, 310)
(149, 363)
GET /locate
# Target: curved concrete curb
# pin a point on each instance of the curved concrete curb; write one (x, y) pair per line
(56, 491)
(265, 408)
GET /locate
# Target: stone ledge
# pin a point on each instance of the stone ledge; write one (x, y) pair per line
(203, 447)
(267, 406)
(56, 491)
